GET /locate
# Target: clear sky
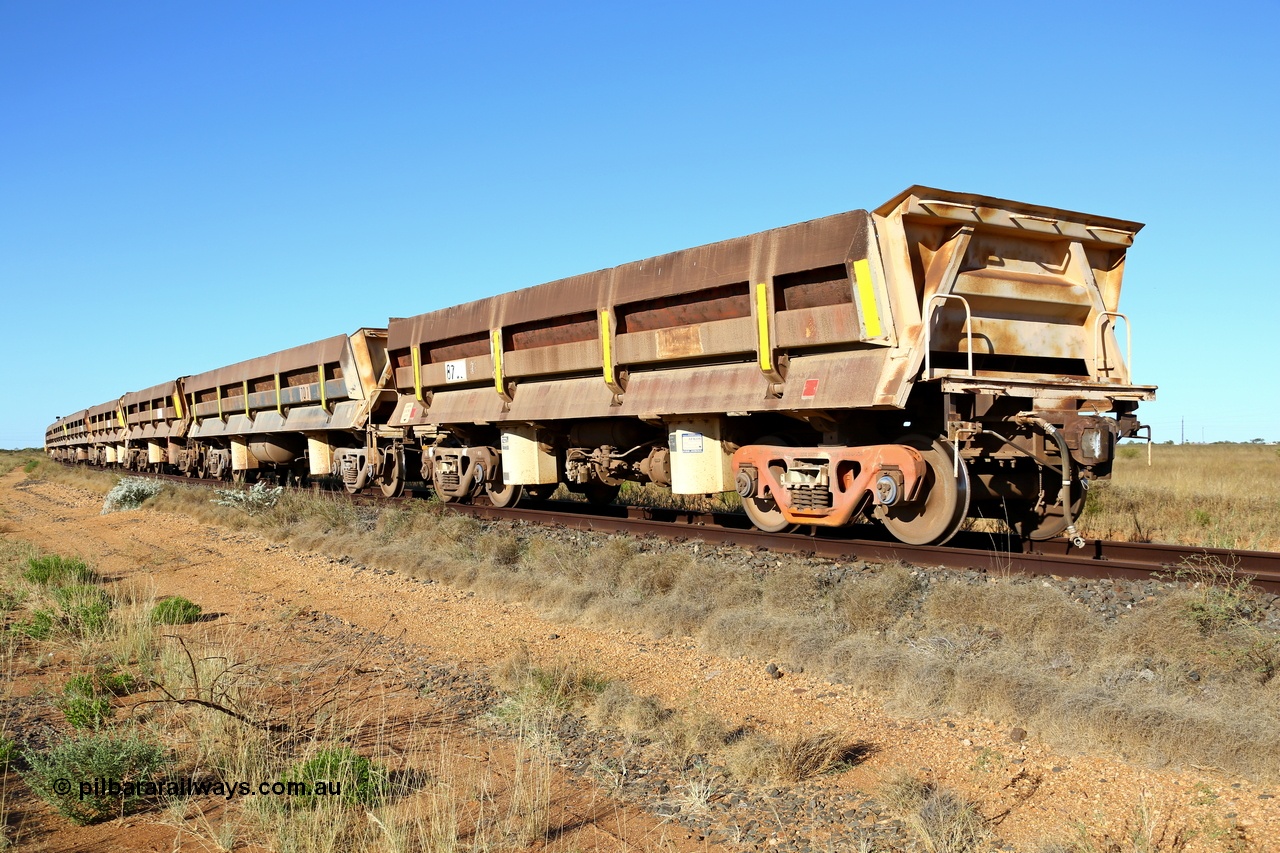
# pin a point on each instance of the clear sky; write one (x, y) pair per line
(185, 185)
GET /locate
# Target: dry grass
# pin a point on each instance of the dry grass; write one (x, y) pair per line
(939, 818)
(1211, 495)
(1188, 679)
(1148, 829)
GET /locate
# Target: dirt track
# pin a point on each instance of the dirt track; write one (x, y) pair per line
(253, 580)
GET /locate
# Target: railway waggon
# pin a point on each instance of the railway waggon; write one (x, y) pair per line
(943, 356)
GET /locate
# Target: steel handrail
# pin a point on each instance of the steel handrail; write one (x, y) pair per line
(1100, 346)
(928, 330)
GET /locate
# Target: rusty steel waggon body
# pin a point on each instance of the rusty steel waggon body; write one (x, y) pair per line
(943, 356)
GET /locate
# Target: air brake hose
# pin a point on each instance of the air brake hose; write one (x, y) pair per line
(1064, 494)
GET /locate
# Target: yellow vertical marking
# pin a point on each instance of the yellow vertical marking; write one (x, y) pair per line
(324, 395)
(245, 385)
(867, 298)
(194, 416)
(218, 394)
(762, 328)
(120, 418)
(177, 404)
(495, 347)
(606, 346)
(417, 372)
(279, 407)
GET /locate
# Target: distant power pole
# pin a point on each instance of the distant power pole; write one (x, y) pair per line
(1184, 430)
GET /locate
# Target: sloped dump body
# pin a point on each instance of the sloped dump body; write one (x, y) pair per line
(67, 439)
(740, 325)
(824, 370)
(283, 409)
(105, 433)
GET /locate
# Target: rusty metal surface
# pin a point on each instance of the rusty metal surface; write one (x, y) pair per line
(163, 391)
(681, 293)
(307, 356)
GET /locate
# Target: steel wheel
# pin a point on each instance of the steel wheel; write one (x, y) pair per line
(1045, 519)
(934, 518)
(600, 494)
(392, 480)
(507, 495)
(765, 514)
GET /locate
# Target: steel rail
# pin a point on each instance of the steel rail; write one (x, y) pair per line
(995, 554)
(975, 551)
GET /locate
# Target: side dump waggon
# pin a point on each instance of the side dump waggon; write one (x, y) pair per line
(942, 356)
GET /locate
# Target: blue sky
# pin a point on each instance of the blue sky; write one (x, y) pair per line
(186, 185)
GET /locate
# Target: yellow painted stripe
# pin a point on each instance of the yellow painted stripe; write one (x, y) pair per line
(417, 372)
(495, 346)
(606, 346)
(245, 385)
(762, 328)
(120, 418)
(279, 407)
(324, 399)
(177, 404)
(867, 298)
(194, 416)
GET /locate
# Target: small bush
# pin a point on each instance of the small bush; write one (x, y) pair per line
(339, 774)
(85, 609)
(8, 752)
(31, 466)
(130, 493)
(131, 760)
(53, 570)
(254, 500)
(39, 626)
(115, 682)
(83, 705)
(939, 817)
(559, 686)
(175, 611)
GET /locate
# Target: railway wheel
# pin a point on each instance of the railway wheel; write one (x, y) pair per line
(765, 514)
(391, 481)
(601, 494)
(1044, 518)
(937, 515)
(505, 495)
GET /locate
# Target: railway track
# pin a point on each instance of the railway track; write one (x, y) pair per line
(977, 551)
(993, 553)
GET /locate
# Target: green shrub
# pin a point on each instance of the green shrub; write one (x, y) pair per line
(130, 493)
(83, 705)
(8, 752)
(347, 776)
(85, 609)
(39, 626)
(53, 570)
(130, 760)
(31, 466)
(175, 611)
(115, 682)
